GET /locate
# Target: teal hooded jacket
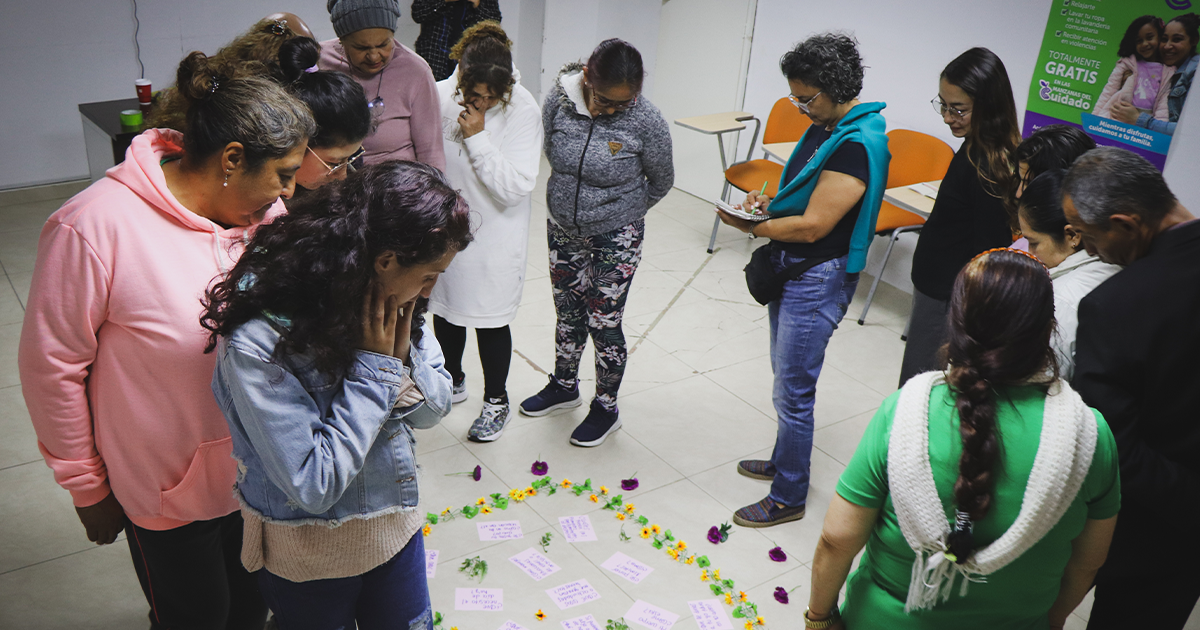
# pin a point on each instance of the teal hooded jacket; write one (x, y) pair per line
(865, 125)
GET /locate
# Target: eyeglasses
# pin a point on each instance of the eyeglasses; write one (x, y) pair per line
(941, 108)
(344, 164)
(620, 106)
(803, 105)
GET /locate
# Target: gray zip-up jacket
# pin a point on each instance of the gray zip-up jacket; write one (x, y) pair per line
(606, 172)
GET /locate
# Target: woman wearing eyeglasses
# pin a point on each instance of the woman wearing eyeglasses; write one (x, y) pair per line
(399, 87)
(823, 218)
(492, 130)
(610, 158)
(975, 100)
(339, 108)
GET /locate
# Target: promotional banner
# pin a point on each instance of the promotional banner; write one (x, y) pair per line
(1119, 69)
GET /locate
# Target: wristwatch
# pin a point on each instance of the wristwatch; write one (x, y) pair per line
(750, 233)
(824, 623)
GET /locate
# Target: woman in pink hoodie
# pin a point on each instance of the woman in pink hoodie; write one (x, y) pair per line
(111, 357)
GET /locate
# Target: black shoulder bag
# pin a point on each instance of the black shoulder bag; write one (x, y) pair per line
(765, 285)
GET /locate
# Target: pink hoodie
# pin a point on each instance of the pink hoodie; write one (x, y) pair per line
(111, 358)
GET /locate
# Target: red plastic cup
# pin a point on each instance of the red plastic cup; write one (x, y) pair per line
(143, 90)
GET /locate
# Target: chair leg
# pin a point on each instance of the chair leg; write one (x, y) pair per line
(875, 285)
(712, 240)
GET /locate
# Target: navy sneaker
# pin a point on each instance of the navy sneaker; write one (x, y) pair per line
(596, 427)
(552, 397)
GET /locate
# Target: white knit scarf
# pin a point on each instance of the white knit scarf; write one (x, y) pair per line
(1064, 454)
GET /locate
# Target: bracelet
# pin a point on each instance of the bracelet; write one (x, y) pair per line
(824, 623)
(750, 233)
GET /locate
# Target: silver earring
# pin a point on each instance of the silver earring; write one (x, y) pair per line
(226, 184)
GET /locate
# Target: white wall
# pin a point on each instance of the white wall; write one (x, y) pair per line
(572, 29)
(59, 53)
(1183, 160)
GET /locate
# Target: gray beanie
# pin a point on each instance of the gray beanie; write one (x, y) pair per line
(351, 16)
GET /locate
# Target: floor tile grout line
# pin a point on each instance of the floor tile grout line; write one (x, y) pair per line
(663, 313)
(11, 466)
(119, 539)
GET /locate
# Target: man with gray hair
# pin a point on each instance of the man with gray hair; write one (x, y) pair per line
(1136, 362)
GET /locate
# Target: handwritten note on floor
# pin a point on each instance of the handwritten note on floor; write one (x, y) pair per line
(709, 615)
(651, 616)
(512, 625)
(586, 622)
(573, 594)
(431, 556)
(489, 599)
(534, 564)
(500, 530)
(577, 528)
(627, 567)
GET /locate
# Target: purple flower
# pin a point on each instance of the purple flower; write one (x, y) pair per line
(714, 535)
(777, 554)
(477, 473)
(629, 484)
(539, 468)
(781, 595)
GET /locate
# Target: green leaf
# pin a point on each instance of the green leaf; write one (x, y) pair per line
(431, 518)
(657, 544)
(540, 483)
(668, 535)
(715, 589)
(728, 584)
(578, 490)
(501, 503)
(738, 614)
(470, 511)
(643, 521)
(703, 562)
(551, 490)
(437, 618)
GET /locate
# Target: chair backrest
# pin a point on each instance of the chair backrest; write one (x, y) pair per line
(916, 157)
(785, 124)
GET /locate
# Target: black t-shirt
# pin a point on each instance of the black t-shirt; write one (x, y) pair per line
(851, 159)
(965, 221)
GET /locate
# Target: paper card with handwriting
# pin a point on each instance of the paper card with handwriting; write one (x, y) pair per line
(651, 616)
(534, 564)
(573, 594)
(709, 615)
(431, 556)
(627, 567)
(577, 528)
(500, 530)
(489, 599)
(586, 622)
(512, 625)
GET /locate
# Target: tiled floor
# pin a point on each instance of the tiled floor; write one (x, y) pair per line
(696, 399)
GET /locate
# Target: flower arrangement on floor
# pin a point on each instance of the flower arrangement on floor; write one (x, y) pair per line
(659, 538)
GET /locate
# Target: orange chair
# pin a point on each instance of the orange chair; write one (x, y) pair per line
(916, 158)
(785, 124)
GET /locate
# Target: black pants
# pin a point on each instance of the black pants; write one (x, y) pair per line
(193, 576)
(495, 352)
(925, 336)
(1162, 602)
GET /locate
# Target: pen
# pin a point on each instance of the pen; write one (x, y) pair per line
(762, 193)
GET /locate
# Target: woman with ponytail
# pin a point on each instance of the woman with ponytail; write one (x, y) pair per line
(324, 368)
(984, 494)
(975, 100)
(491, 127)
(111, 357)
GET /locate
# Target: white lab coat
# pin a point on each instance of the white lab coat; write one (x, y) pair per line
(496, 171)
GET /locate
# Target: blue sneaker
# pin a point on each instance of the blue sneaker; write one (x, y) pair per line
(552, 397)
(596, 427)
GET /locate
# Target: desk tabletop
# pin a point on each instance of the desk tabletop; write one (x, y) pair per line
(915, 201)
(715, 123)
(107, 115)
(780, 150)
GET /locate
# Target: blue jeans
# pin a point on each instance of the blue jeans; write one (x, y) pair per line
(393, 595)
(802, 321)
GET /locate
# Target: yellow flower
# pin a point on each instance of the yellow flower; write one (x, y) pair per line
(674, 554)
(447, 510)
(656, 529)
(519, 496)
(480, 501)
(704, 575)
(645, 532)
(691, 559)
(741, 596)
(729, 598)
(681, 545)
(759, 620)
(566, 483)
(540, 615)
(749, 626)
(629, 507)
(453, 627)
(485, 510)
(603, 489)
(425, 530)
(530, 491)
(594, 498)
(620, 516)
(716, 574)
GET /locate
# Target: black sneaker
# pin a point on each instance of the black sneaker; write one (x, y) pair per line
(596, 427)
(552, 397)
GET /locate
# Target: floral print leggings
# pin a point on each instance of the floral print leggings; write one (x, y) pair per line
(591, 277)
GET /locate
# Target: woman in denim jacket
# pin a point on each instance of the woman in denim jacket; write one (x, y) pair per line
(323, 370)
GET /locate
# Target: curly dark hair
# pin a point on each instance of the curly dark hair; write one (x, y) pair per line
(999, 326)
(484, 56)
(1051, 147)
(315, 264)
(829, 62)
(1129, 41)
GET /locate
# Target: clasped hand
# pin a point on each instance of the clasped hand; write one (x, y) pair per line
(387, 324)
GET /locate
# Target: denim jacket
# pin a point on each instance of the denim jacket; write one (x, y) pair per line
(313, 448)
